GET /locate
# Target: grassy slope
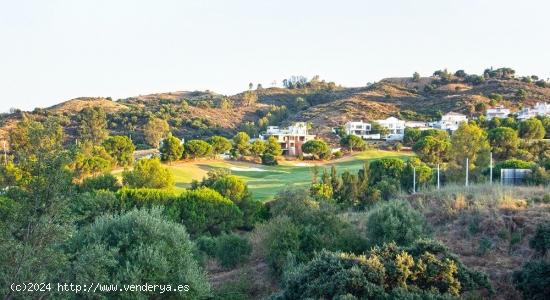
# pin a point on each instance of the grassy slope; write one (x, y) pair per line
(266, 181)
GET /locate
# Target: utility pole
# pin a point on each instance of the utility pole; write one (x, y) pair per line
(438, 176)
(467, 167)
(491, 169)
(414, 180)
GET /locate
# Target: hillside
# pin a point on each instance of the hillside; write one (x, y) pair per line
(325, 105)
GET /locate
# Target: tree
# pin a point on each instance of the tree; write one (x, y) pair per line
(121, 149)
(395, 221)
(240, 144)
(431, 149)
(141, 246)
(470, 141)
(155, 130)
(411, 136)
(352, 142)
(272, 147)
(148, 173)
(379, 129)
(171, 149)
(249, 98)
(461, 74)
(219, 144)
(416, 77)
(317, 148)
(257, 148)
(386, 168)
(504, 142)
(93, 125)
(231, 187)
(197, 148)
(531, 129)
(90, 159)
(35, 217)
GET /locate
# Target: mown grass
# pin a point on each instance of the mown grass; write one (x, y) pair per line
(265, 181)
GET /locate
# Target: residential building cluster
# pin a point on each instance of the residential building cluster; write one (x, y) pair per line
(293, 137)
(395, 128)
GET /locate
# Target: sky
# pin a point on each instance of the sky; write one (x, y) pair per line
(52, 51)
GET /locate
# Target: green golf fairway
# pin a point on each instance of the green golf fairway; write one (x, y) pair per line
(265, 181)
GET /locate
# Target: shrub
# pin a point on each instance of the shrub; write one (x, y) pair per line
(386, 272)
(533, 280)
(269, 159)
(207, 245)
(204, 210)
(139, 246)
(386, 168)
(87, 206)
(232, 250)
(105, 181)
(540, 242)
(395, 221)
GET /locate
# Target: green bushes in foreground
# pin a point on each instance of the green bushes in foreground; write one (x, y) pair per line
(140, 246)
(386, 272)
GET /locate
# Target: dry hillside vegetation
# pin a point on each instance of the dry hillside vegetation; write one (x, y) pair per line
(324, 106)
(489, 227)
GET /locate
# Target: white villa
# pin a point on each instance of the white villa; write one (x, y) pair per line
(291, 138)
(360, 128)
(395, 126)
(450, 121)
(417, 124)
(497, 112)
(540, 109)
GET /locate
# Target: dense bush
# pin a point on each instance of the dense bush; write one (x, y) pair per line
(269, 159)
(300, 226)
(540, 242)
(232, 250)
(386, 272)
(87, 206)
(235, 189)
(386, 168)
(105, 181)
(145, 197)
(207, 244)
(395, 221)
(206, 211)
(139, 247)
(533, 280)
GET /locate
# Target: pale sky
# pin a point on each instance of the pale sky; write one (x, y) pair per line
(55, 50)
